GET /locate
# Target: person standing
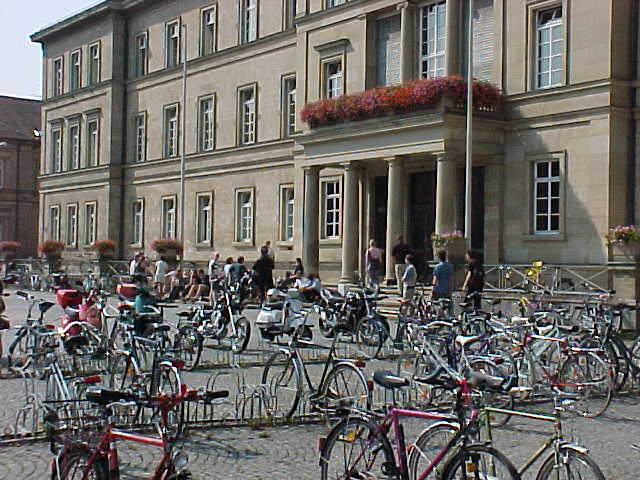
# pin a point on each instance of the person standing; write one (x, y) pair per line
(474, 281)
(399, 254)
(263, 270)
(409, 278)
(133, 265)
(373, 264)
(212, 270)
(270, 251)
(161, 269)
(442, 278)
(298, 271)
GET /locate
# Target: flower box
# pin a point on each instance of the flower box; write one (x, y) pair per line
(9, 249)
(624, 243)
(454, 243)
(167, 248)
(104, 249)
(51, 248)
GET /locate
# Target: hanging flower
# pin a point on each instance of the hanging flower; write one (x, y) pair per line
(623, 234)
(445, 239)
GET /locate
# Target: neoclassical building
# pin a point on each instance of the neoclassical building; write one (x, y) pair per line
(181, 119)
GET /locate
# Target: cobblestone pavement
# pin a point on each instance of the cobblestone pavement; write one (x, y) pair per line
(290, 451)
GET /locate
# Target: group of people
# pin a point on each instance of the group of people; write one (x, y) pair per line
(407, 276)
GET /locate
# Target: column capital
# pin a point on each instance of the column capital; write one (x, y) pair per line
(350, 165)
(394, 160)
(444, 156)
(310, 169)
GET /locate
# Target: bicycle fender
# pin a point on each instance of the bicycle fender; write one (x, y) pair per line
(575, 447)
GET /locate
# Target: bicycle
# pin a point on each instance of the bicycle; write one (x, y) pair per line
(368, 453)
(98, 458)
(286, 378)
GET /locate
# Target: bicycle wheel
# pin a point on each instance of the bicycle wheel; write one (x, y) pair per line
(429, 443)
(479, 462)
(586, 379)
(494, 398)
(282, 377)
(355, 449)
(346, 387)
(188, 346)
(243, 334)
(573, 465)
(370, 336)
(73, 463)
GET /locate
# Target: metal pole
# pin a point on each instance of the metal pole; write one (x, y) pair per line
(183, 130)
(469, 158)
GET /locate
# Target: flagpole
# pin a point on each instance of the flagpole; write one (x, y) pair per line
(469, 146)
(183, 130)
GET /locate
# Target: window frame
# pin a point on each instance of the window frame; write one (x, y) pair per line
(91, 148)
(239, 240)
(288, 128)
(166, 131)
(324, 213)
(245, 31)
(95, 66)
(137, 242)
(58, 77)
(54, 235)
(57, 148)
(201, 123)
(425, 58)
(90, 229)
(140, 148)
(141, 64)
(325, 63)
(167, 57)
(241, 117)
(287, 220)
(204, 51)
(335, 3)
(530, 228)
(164, 231)
(533, 12)
(207, 228)
(75, 70)
(74, 242)
(290, 8)
(2, 172)
(75, 163)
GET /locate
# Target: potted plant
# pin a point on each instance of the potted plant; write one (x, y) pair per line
(104, 249)
(52, 251)
(167, 248)
(9, 249)
(623, 242)
(453, 242)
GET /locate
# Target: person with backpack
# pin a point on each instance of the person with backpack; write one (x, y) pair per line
(474, 281)
(373, 264)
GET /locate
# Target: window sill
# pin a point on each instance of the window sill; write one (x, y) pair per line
(244, 245)
(203, 245)
(285, 245)
(136, 245)
(552, 237)
(331, 241)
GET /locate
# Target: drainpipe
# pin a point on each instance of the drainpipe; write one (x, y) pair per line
(17, 211)
(183, 131)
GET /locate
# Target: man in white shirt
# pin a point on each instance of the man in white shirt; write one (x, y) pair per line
(213, 266)
(161, 270)
(134, 264)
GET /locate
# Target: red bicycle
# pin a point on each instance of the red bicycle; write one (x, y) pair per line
(95, 457)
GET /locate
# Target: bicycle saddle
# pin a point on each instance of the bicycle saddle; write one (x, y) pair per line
(387, 379)
(74, 344)
(104, 397)
(44, 306)
(462, 340)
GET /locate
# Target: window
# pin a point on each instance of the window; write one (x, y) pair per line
(291, 8)
(335, 3)
(58, 77)
(137, 230)
(208, 34)
(94, 64)
(171, 131)
(207, 123)
(72, 225)
(244, 216)
(1, 173)
(331, 194)
(90, 223)
(172, 44)
(247, 115)
(141, 54)
(56, 149)
(549, 48)
(54, 222)
(547, 196)
(93, 143)
(169, 217)
(249, 20)
(141, 137)
(76, 70)
(333, 79)
(203, 226)
(388, 46)
(74, 147)
(286, 213)
(289, 106)
(434, 37)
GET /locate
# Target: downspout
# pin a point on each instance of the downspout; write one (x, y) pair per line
(17, 191)
(634, 214)
(123, 158)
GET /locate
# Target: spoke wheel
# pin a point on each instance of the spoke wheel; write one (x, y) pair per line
(574, 466)
(431, 442)
(73, 464)
(479, 462)
(370, 336)
(344, 387)
(282, 379)
(188, 346)
(586, 379)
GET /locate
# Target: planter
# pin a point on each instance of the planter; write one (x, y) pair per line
(8, 255)
(106, 255)
(625, 252)
(456, 251)
(170, 254)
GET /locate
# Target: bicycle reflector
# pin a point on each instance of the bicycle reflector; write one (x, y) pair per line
(360, 363)
(92, 379)
(50, 327)
(471, 466)
(370, 385)
(179, 364)
(321, 442)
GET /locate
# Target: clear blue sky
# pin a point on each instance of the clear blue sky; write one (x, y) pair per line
(21, 60)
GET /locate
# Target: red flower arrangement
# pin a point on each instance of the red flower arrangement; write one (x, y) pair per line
(10, 246)
(103, 246)
(161, 245)
(50, 246)
(408, 97)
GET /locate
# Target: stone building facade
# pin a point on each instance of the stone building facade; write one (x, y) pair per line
(19, 168)
(141, 145)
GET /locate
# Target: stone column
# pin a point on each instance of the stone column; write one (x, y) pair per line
(350, 222)
(395, 214)
(407, 50)
(310, 237)
(446, 193)
(452, 54)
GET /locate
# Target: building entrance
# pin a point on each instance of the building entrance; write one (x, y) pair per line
(422, 215)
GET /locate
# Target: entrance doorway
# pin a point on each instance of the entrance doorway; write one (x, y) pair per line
(380, 211)
(422, 216)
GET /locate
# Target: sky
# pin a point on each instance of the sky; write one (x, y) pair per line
(21, 72)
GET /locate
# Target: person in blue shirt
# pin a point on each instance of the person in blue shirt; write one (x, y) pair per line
(442, 277)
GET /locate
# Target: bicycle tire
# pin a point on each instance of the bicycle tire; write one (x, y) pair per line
(282, 377)
(572, 460)
(481, 460)
(429, 443)
(72, 464)
(585, 378)
(370, 336)
(243, 335)
(374, 458)
(345, 386)
(188, 343)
